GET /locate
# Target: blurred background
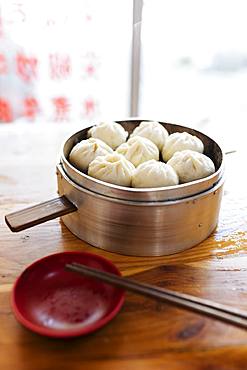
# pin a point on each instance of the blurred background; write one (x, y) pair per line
(79, 60)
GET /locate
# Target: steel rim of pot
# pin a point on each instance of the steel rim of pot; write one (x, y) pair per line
(140, 194)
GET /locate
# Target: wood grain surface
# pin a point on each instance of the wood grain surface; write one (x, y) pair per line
(146, 334)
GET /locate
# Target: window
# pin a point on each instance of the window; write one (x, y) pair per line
(77, 60)
(65, 60)
(194, 65)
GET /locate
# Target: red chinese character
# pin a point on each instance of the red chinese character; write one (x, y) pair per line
(5, 111)
(31, 108)
(3, 64)
(61, 108)
(26, 67)
(60, 66)
(89, 106)
(90, 65)
(90, 70)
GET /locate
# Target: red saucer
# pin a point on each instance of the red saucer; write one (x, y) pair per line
(52, 301)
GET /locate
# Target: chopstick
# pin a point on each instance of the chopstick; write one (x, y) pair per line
(203, 306)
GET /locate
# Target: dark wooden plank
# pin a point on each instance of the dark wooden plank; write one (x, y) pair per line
(42, 212)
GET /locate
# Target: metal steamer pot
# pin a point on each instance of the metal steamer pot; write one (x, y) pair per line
(140, 222)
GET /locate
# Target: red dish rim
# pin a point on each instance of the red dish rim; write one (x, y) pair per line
(54, 333)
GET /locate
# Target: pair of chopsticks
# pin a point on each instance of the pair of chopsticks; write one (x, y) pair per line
(203, 306)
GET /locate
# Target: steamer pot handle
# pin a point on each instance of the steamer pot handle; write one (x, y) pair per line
(39, 213)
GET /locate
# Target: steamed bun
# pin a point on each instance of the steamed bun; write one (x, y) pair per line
(113, 168)
(138, 150)
(181, 141)
(152, 174)
(86, 151)
(191, 165)
(153, 131)
(112, 133)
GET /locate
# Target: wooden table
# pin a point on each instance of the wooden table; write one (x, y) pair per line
(146, 334)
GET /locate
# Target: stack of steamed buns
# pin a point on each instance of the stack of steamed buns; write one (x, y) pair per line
(108, 156)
